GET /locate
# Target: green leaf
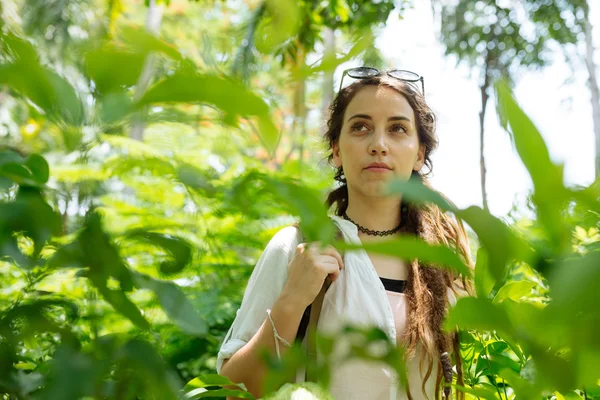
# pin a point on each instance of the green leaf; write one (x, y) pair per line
(549, 192)
(19, 48)
(38, 166)
(70, 375)
(186, 87)
(414, 190)
(342, 10)
(500, 243)
(483, 391)
(494, 358)
(175, 303)
(280, 22)
(484, 281)
(18, 174)
(287, 194)
(111, 68)
(409, 248)
(66, 103)
(149, 368)
(93, 249)
(480, 314)
(327, 64)
(207, 380)
(121, 303)
(179, 250)
(514, 290)
(31, 216)
(202, 393)
(44, 87)
(114, 107)
(142, 41)
(575, 287)
(196, 179)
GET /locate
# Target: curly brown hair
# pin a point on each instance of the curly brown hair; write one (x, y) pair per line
(426, 293)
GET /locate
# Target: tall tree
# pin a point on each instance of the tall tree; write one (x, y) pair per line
(569, 22)
(153, 21)
(490, 39)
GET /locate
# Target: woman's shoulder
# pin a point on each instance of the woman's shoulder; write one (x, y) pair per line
(287, 238)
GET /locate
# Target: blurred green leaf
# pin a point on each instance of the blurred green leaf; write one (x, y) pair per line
(484, 281)
(549, 192)
(500, 243)
(484, 391)
(285, 194)
(514, 290)
(207, 380)
(202, 393)
(175, 303)
(179, 250)
(186, 87)
(114, 107)
(93, 249)
(31, 216)
(112, 68)
(480, 314)
(72, 375)
(414, 190)
(409, 248)
(30, 171)
(44, 87)
(279, 23)
(195, 178)
(575, 286)
(142, 41)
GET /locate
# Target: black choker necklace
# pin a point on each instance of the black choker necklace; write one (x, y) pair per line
(379, 233)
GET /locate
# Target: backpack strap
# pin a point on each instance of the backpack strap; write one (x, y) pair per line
(310, 320)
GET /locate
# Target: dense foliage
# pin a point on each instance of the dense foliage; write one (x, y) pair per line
(123, 261)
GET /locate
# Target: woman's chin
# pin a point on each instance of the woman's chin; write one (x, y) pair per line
(375, 189)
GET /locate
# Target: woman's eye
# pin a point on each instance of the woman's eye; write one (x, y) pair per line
(359, 127)
(398, 129)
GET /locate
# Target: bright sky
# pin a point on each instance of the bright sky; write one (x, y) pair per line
(453, 93)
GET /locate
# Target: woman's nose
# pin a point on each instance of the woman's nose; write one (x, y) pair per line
(378, 143)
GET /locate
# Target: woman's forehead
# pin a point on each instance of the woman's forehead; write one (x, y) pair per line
(379, 101)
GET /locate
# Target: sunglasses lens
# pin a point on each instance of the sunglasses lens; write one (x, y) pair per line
(362, 72)
(405, 75)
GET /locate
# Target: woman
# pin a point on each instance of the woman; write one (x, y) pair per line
(380, 128)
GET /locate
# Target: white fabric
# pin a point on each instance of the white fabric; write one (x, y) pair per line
(357, 297)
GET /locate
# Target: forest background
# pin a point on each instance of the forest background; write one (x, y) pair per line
(149, 151)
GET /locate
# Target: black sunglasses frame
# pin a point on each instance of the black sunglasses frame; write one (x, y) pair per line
(378, 73)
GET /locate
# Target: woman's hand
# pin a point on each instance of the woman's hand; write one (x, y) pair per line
(307, 272)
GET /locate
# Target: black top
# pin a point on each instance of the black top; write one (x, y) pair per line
(393, 285)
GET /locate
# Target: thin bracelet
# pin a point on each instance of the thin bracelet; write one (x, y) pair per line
(277, 337)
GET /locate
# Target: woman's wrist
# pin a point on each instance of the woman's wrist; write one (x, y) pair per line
(289, 305)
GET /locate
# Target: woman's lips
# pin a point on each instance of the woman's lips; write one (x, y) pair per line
(378, 169)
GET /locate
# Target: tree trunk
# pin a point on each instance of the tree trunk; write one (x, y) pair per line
(484, 100)
(300, 102)
(153, 20)
(327, 85)
(593, 83)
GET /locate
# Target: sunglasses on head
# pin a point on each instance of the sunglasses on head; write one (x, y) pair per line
(369, 72)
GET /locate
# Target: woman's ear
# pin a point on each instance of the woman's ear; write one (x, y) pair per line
(337, 158)
(420, 161)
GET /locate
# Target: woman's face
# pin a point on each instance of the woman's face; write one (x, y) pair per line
(379, 127)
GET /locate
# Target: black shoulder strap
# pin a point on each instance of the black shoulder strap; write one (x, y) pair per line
(306, 317)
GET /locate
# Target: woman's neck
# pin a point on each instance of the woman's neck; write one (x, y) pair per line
(375, 213)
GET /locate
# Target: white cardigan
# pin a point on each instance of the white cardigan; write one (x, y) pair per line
(357, 297)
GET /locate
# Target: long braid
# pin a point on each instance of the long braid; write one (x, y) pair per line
(460, 395)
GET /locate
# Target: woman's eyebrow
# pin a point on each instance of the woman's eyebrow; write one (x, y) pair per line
(395, 118)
